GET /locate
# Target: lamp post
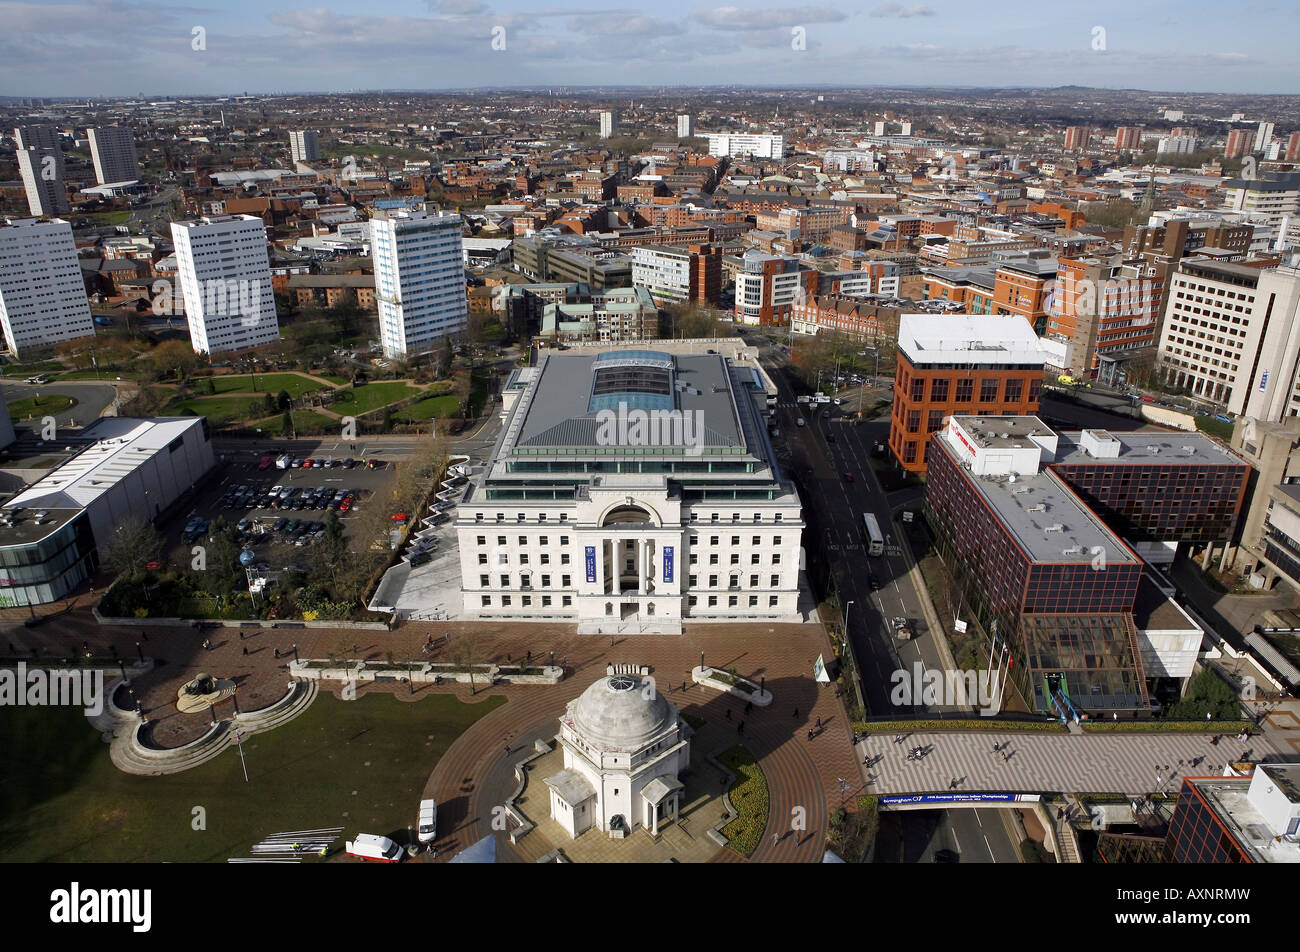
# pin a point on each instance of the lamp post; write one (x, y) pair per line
(845, 623)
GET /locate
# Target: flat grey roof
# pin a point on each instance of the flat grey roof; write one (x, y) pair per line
(1151, 447)
(558, 416)
(1016, 504)
(990, 429)
(25, 529)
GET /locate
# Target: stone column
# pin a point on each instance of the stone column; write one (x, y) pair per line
(654, 816)
(642, 549)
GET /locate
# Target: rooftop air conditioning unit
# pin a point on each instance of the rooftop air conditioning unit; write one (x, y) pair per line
(1038, 508)
(1056, 528)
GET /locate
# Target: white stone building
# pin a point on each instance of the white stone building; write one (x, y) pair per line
(624, 744)
(225, 276)
(631, 489)
(738, 143)
(42, 294)
(419, 279)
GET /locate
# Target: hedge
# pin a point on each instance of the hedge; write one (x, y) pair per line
(1167, 727)
(974, 724)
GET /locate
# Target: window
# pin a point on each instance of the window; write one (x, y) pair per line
(935, 421)
(735, 558)
(713, 581)
(776, 559)
(713, 540)
(735, 517)
(777, 518)
(735, 540)
(528, 601)
(505, 581)
(546, 601)
(771, 601)
(1035, 390)
(482, 540)
(487, 601)
(713, 558)
(776, 540)
(916, 390)
(1015, 391)
(913, 421)
(757, 541)
(909, 451)
(753, 559)
(482, 558)
(544, 540)
(565, 580)
(715, 517)
(938, 390)
(546, 581)
(564, 558)
(753, 581)
(733, 601)
(776, 581)
(692, 581)
(505, 601)
(965, 389)
(519, 517)
(546, 559)
(713, 601)
(989, 390)
(484, 581)
(501, 540)
(523, 559)
(692, 601)
(567, 600)
(523, 540)
(564, 540)
(753, 601)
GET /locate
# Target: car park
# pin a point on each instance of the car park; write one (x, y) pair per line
(349, 463)
(265, 462)
(420, 558)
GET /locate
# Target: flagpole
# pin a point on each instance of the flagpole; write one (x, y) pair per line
(239, 739)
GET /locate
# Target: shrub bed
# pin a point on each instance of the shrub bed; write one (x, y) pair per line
(749, 797)
(974, 724)
(1166, 727)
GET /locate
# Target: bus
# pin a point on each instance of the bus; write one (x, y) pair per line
(875, 541)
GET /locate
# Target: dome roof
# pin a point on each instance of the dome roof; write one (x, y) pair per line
(622, 712)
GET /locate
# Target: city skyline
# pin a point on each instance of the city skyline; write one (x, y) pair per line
(457, 44)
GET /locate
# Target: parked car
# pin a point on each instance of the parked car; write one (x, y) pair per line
(265, 462)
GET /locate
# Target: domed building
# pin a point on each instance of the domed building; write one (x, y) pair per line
(624, 744)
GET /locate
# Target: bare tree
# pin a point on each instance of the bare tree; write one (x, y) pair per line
(133, 545)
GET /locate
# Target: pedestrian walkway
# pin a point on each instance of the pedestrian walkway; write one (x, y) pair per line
(1040, 763)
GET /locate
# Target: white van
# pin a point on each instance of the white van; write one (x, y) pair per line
(371, 846)
(800, 422)
(427, 831)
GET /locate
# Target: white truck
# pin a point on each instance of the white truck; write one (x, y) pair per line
(376, 848)
(427, 831)
(820, 397)
(282, 462)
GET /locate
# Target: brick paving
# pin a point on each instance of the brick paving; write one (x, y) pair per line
(800, 773)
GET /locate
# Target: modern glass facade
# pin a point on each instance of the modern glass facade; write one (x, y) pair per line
(1197, 835)
(45, 570)
(1184, 503)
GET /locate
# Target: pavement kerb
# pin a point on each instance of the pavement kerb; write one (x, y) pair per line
(927, 605)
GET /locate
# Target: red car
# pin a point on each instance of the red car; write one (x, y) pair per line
(399, 517)
(308, 463)
(265, 462)
(346, 504)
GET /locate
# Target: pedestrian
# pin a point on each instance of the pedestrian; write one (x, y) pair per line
(1006, 758)
(241, 634)
(749, 706)
(530, 656)
(683, 686)
(144, 636)
(728, 713)
(507, 749)
(245, 649)
(775, 839)
(995, 748)
(507, 657)
(277, 652)
(819, 722)
(810, 733)
(796, 712)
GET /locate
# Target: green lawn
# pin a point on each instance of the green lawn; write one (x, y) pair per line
(361, 765)
(439, 407)
(31, 370)
(47, 404)
(295, 384)
(305, 422)
(220, 410)
(110, 218)
(355, 401)
(749, 796)
(1208, 424)
(101, 374)
(335, 378)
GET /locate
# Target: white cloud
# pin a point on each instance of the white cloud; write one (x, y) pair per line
(898, 10)
(736, 18)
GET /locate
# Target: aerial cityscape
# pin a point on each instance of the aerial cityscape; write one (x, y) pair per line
(446, 433)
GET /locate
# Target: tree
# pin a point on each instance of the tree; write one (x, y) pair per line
(134, 543)
(284, 401)
(174, 358)
(286, 424)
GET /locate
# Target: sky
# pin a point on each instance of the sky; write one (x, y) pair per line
(54, 48)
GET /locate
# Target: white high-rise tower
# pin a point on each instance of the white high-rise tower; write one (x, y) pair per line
(225, 276)
(42, 295)
(419, 279)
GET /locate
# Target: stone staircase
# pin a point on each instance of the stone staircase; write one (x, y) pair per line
(131, 755)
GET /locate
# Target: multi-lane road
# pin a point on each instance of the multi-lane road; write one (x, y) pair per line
(830, 458)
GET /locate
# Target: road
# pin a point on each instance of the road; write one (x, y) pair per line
(91, 398)
(819, 455)
(973, 836)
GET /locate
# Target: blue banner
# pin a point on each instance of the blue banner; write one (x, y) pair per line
(668, 563)
(591, 563)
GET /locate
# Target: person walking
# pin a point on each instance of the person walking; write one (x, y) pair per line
(810, 733)
(819, 722)
(796, 712)
(245, 649)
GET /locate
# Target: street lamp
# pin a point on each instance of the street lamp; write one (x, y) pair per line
(846, 619)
